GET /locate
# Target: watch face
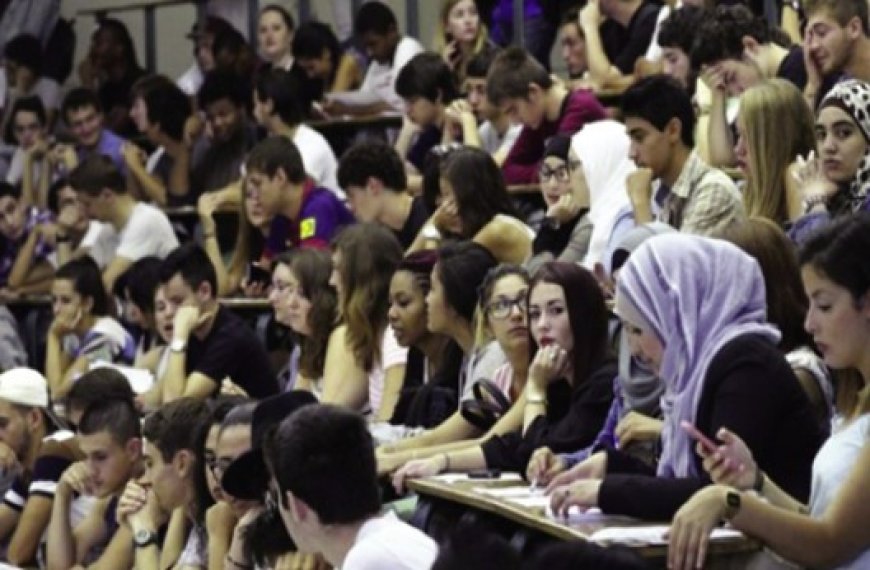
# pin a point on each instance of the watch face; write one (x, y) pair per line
(143, 537)
(733, 500)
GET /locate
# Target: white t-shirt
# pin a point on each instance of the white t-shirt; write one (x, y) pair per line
(387, 542)
(100, 241)
(391, 355)
(381, 78)
(148, 232)
(493, 142)
(318, 158)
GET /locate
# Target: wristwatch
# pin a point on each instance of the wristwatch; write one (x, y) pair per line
(144, 537)
(732, 505)
(178, 345)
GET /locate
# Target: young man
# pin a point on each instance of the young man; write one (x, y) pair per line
(375, 182)
(217, 159)
(837, 42)
(83, 115)
(614, 46)
(209, 342)
(689, 194)
(474, 121)
(323, 478)
(426, 86)
(572, 45)
(676, 37)
(170, 440)
(29, 163)
(35, 453)
(21, 236)
(109, 436)
(523, 89)
(376, 28)
(140, 229)
(301, 214)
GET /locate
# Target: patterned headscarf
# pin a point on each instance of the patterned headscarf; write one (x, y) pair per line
(853, 97)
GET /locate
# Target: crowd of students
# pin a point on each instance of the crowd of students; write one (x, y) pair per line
(657, 307)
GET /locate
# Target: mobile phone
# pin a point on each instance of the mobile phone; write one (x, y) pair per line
(257, 274)
(484, 474)
(706, 442)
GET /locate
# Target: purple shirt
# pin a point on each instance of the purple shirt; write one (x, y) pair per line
(320, 217)
(9, 249)
(109, 145)
(504, 10)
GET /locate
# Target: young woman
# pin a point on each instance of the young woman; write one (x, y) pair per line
(366, 366)
(82, 331)
(275, 38)
(569, 387)
(566, 230)
(466, 192)
(832, 529)
(137, 287)
(774, 127)
(460, 35)
(304, 301)
(787, 305)
(157, 359)
(319, 53)
(451, 304)
(838, 181)
(710, 363)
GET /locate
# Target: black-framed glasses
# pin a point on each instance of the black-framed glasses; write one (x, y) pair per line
(502, 308)
(560, 173)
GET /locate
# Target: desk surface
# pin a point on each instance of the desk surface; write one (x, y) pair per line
(353, 122)
(240, 303)
(462, 492)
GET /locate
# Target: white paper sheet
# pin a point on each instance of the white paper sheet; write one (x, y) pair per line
(651, 534)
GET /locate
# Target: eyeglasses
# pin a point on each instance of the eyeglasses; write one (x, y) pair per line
(560, 173)
(502, 308)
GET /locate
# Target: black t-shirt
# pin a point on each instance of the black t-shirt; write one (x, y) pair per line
(793, 68)
(428, 138)
(417, 218)
(232, 350)
(624, 45)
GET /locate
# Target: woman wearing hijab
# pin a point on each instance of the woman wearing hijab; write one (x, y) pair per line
(838, 181)
(693, 310)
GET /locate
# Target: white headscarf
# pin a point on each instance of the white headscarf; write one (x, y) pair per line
(602, 146)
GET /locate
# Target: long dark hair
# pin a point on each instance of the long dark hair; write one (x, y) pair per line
(87, 282)
(587, 314)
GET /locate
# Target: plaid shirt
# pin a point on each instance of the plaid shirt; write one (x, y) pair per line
(9, 249)
(703, 200)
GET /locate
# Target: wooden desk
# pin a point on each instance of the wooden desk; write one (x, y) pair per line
(433, 491)
(349, 122)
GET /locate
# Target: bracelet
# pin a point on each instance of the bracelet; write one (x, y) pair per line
(238, 564)
(758, 485)
(811, 202)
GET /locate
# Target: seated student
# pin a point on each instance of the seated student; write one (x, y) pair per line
(374, 179)
(172, 438)
(322, 476)
(614, 44)
(676, 38)
(156, 361)
(837, 183)
(570, 380)
(218, 156)
(836, 44)
(566, 231)
(474, 121)
(23, 60)
(376, 28)
(460, 35)
(689, 195)
(734, 54)
(277, 109)
(109, 437)
(831, 529)
(710, 365)
(572, 45)
(235, 56)
(29, 167)
(209, 342)
(83, 115)
(136, 291)
(82, 332)
(202, 37)
(466, 193)
(302, 213)
(368, 374)
(504, 288)
(140, 229)
(12, 351)
(37, 451)
(335, 66)
(427, 87)
(160, 110)
(21, 226)
(439, 373)
(774, 127)
(304, 301)
(523, 89)
(787, 305)
(450, 308)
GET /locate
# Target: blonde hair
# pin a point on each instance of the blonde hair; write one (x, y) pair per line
(778, 126)
(441, 31)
